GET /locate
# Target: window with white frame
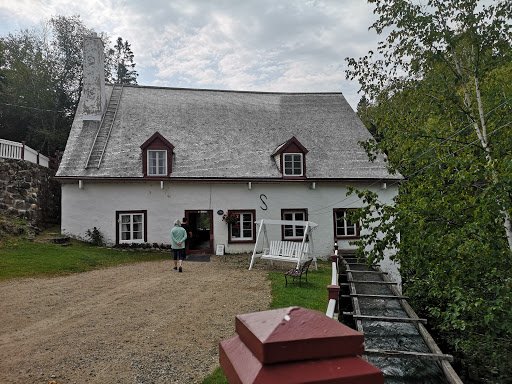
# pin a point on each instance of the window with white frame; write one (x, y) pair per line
(131, 227)
(293, 232)
(243, 227)
(157, 162)
(344, 227)
(292, 164)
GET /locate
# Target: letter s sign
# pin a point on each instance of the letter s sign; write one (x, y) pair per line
(265, 207)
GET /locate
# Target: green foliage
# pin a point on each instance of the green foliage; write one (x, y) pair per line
(122, 65)
(41, 81)
(438, 101)
(95, 237)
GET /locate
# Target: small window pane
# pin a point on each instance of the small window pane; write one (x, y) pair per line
(242, 229)
(157, 163)
(344, 228)
(235, 230)
(131, 227)
(294, 231)
(292, 164)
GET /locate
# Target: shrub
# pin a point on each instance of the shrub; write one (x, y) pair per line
(95, 237)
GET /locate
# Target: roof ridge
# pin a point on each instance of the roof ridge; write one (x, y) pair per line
(228, 90)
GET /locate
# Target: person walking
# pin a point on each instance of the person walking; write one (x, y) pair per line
(178, 237)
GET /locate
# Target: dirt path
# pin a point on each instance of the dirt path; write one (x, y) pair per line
(140, 323)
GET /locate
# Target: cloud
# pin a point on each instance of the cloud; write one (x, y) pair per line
(264, 45)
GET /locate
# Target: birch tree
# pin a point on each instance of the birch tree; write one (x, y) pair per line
(438, 99)
(467, 37)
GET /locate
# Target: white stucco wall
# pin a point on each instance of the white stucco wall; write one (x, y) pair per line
(95, 205)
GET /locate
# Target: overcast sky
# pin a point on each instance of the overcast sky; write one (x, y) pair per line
(258, 45)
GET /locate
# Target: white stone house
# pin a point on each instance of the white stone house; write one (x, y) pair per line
(139, 157)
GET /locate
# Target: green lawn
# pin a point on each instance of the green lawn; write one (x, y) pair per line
(23, 258)
(312, 295)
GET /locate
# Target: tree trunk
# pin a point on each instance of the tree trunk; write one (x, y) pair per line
(485, 144)
(481, 133)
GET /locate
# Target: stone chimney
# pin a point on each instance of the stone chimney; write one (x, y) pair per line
(93, 94)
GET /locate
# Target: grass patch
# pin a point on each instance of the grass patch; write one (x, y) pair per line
(216, 377)
(311, 294)
(20, 257)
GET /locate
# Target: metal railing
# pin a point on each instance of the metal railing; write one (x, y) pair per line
(14, 150)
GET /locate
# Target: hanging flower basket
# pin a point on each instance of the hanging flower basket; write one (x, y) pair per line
(231, 218)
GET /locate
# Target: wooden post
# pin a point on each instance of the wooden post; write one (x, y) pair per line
(295, 345)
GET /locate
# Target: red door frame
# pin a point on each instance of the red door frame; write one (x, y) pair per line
(210, 214)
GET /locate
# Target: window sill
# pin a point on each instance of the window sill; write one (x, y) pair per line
(347, 237)
(232, 241)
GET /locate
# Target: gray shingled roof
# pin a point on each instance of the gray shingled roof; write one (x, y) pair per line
(227, 134)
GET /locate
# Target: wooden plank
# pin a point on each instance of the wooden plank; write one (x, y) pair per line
(409, 354)
(355, 302)
(377, 296)
(371, 282)
(386, 318)
(366, 265)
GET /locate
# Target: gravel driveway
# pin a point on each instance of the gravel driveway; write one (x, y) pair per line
(140, 323)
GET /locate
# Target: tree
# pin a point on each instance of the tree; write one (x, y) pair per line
(122, 63)
(41, 81)
(28, 91)
(2, 66)
(438, 97)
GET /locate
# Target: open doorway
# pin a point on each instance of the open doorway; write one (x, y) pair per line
(201, 226)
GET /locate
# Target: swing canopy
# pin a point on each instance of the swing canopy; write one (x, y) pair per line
(279, 250)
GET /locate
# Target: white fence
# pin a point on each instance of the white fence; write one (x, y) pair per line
(13, 150)
(333, 289)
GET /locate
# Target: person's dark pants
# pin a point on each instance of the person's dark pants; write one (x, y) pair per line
(179, 254)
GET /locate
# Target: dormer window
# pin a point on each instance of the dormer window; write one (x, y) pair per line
(293, 164)
(290, 158)
(157, 154)
(157, 163)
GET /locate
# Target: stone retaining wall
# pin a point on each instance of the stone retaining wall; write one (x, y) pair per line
(29, 191)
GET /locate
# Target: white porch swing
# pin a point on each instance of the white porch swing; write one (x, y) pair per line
(289, 251)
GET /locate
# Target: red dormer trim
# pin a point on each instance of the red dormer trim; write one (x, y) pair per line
(156, 142)
(293, 145)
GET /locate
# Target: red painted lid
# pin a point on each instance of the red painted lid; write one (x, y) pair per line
(241, 366)
(294, 333)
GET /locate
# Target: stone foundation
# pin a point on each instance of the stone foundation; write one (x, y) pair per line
(28, 191)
